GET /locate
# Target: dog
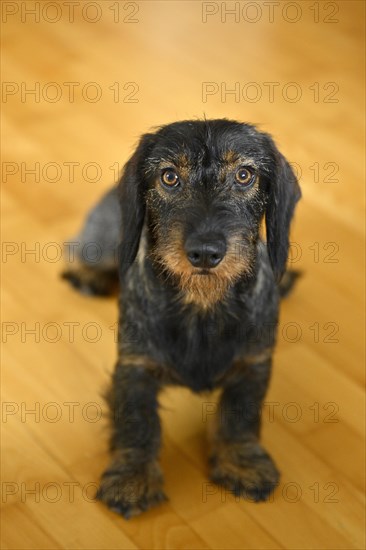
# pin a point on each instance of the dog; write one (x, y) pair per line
(199, 296)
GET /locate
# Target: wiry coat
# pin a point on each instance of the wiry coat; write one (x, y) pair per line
(182, 324)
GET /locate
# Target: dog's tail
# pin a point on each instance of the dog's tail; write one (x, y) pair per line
(288, 281)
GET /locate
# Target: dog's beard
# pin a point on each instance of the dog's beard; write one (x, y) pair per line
(205, 290)
(203, 287)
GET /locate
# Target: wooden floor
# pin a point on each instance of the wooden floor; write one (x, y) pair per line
(297, 69)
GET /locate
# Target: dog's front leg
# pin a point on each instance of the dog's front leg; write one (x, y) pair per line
(238, 462)
(133, 481)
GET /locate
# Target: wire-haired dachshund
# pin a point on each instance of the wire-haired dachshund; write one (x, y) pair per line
(199, 296)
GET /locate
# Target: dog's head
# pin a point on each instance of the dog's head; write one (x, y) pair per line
(203, 188)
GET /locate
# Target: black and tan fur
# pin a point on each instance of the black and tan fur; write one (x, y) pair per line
(192, 324)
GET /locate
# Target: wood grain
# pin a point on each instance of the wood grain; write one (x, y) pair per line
(302, 81)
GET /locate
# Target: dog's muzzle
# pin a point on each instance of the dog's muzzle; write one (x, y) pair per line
(205, 251)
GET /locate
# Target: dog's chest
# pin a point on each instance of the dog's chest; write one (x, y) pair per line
(196, 349)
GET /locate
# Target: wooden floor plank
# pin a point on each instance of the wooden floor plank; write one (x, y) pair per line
(54, 425)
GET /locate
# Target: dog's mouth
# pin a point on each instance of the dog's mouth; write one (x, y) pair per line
(202, 285)
(202, 272)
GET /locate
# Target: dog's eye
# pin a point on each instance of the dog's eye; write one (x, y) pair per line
(245, 176)
(170, 178)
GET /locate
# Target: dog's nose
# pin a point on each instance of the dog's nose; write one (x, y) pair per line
(205, 252)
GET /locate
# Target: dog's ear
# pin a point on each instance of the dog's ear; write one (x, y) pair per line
(132, 189)
(284, 192)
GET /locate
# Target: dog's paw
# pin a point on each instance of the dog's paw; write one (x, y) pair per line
(91, 282)
(130, 489)
(245, 469)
